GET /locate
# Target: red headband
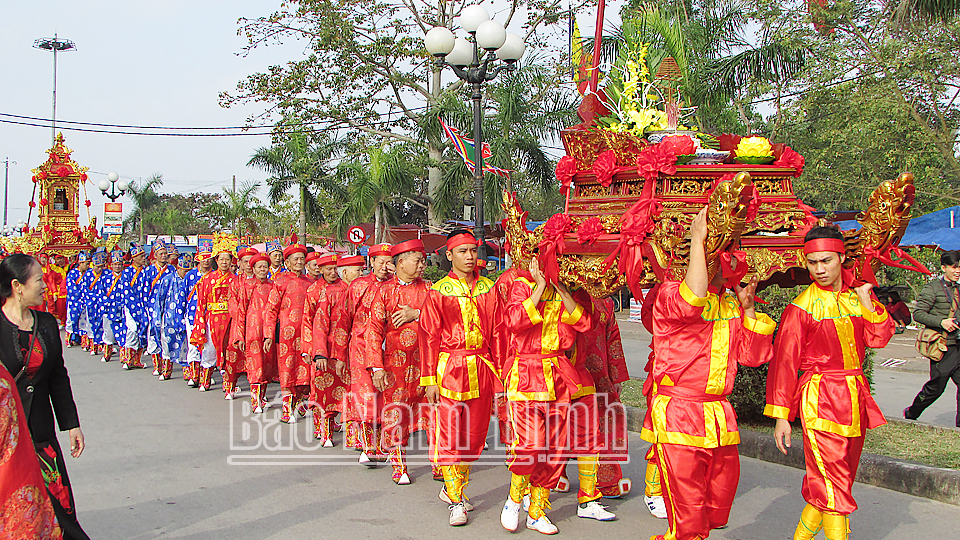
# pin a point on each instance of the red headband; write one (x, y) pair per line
(460, 239)
(247, 251)
(313, 255)
(259, 257)
(823, 244)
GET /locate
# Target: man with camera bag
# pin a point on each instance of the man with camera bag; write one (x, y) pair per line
(937, 310)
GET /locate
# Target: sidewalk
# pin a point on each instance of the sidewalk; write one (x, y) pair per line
(899, 373)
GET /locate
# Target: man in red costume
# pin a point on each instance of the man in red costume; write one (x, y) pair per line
(701, 332)
(246, 333)
(393, 352)
(823, 334)
(541, 383)
(59, 265)
(326, 387)
(311, 267)
(458, 325)
(211, 325)
(350, 324)
(285, 311)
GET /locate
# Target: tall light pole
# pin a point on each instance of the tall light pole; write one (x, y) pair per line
(56, 45)
(472, 66)
(6, 185)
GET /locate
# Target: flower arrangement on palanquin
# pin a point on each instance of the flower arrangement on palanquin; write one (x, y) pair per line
(57, 186)
(634, 176)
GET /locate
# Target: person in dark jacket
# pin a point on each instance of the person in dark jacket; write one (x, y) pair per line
(41, 378)
(937, 299)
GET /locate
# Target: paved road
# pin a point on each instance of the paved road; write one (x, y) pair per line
(894, 387)
(158, 464)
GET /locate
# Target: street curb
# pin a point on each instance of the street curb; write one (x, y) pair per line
(898, 475)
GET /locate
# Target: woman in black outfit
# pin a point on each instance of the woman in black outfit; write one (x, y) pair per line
(41, 379)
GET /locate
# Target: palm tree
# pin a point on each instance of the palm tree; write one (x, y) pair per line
(378, 181)
(925, 10)
(240, 207)
(525, 109)
(708, 41)
(301, 163)
(145, 199)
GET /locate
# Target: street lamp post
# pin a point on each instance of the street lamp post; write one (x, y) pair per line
(56, 45)
(473, 67)
(114, 185)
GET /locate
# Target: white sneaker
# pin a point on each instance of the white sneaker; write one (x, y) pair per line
(124, 366)
(595, 510)
(510, 515)
(656, 506)
(257, 410)
(466, 504)
(404, 480)
(364, 459)
(525, 503)
(328, 443)
(156, 372)
(542, 525)
(458, 515)
(103, 359)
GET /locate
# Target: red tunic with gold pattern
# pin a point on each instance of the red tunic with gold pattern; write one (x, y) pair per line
(24, 499)
(213, 310)
(285, 306)
(823, 334)
(261, 366)
(349, 326)
(327, 388)
(397, 351)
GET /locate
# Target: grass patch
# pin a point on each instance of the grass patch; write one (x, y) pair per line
(920, 443)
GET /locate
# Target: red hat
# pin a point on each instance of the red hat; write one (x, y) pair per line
(410, 245)
(248, 251)
(356, 260)
(294, 248)
(327, 259)
(313, 255)
(259, 257)
(379, 249)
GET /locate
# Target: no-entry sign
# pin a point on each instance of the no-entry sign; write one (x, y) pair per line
(355, 235)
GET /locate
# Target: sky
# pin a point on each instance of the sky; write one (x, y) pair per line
(139, 63)
(142, 63)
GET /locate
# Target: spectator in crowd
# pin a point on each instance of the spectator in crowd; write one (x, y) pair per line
(937, 310)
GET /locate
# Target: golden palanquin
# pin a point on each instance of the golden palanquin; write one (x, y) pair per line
(772, 239)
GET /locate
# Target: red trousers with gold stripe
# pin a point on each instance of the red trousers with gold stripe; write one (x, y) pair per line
(540, 436)
(698, 487)
(459, 429)
(832, 462)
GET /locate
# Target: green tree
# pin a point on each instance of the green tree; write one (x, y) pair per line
(525, 109)
(301, 161)
(145, 198)
(240, 208)
(378, 180)
(366, 69)
(877, 97)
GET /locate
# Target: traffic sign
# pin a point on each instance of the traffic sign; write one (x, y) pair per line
(356, 235)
